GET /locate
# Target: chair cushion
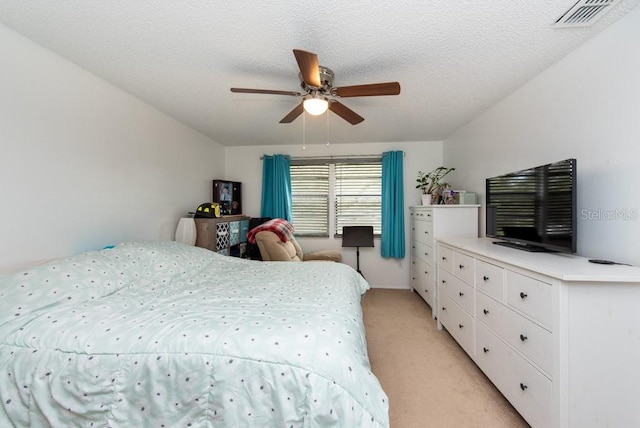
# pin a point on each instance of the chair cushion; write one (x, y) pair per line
(324, 255)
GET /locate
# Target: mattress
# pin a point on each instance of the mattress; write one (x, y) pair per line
(164, 334)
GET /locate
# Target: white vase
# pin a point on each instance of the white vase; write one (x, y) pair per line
(186, 231)
(426, 199)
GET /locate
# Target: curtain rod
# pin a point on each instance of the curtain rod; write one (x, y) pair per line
(338, 156)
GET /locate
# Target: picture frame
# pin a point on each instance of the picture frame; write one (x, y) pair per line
(228, 194)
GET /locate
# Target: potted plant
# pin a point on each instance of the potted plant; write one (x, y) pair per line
(429, 183)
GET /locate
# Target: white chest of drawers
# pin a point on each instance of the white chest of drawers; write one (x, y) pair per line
(429, 222)
(558, 336)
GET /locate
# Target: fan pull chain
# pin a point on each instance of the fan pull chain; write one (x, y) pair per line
(327, 113)
(304, 130)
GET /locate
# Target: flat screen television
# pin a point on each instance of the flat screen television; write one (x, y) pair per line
(534, 209)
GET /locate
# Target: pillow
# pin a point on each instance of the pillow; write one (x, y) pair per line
(282, 228)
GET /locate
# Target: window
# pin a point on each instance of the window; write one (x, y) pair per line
(358, 196)
(310, 199)
(328, 194)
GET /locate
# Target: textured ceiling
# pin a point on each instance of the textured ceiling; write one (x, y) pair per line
(453, 59)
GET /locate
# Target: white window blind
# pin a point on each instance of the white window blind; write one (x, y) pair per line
(328, 194)
(358, 196)
(310, 199)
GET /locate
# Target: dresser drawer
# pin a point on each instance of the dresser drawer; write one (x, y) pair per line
(530, 296)
(421, 213)
(234, 232)
(422, 231)
(244, 229)
(530, 339)
(459, 291)
(457, 322)
(223, 237)
(445, 282)
(445, 258)
(526, 388)
(490, 280)
(422, 251)
(423, 280)
(464, 267)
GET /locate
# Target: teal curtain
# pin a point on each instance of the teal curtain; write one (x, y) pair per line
(276, 187)
(392, 241)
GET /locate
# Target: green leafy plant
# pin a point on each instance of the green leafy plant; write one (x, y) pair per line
(430, 181)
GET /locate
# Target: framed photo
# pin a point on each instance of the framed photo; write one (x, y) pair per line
(228, 194)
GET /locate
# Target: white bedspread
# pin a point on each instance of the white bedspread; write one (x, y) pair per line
(163, 334)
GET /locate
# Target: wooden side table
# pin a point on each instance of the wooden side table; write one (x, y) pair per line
(225, 235)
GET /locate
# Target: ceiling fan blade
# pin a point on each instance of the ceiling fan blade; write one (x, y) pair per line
(265, 91)
(308, 64)
(345, 112)
(374, 89)
(293, 114)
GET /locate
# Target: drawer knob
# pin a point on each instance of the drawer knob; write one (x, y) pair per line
(460, 326)
(523, 295)
(461, 266)
(426, 273)
(485, 278)
(426, 291)
(523, 386)
(444, 282)
(461, 293)
(485, 350)
(486, 311)
(426, 254)
(444, 308)
(444, 258)
(523, 337)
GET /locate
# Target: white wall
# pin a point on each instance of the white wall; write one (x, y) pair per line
(244, 164)
(83, 164)
(586, 106)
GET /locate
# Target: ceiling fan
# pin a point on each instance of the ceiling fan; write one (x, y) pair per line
(319, 93)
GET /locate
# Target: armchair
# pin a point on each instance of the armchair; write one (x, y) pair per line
(276, 243)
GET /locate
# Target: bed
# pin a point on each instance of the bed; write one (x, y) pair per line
(163, 334)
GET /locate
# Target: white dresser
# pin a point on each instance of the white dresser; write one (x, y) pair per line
(558, 336)
(429, 222)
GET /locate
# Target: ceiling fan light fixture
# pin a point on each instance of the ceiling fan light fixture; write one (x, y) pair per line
(319, 95)
(315, 105)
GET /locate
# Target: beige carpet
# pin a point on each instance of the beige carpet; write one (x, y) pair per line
(430, 380)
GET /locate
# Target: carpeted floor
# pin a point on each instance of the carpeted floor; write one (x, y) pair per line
(430, 380)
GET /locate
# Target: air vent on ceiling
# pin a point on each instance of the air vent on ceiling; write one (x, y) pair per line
(584, 13)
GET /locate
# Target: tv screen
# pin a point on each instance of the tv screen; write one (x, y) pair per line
(534, 209)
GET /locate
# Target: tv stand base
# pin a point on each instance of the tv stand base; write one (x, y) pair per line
(524, 247)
